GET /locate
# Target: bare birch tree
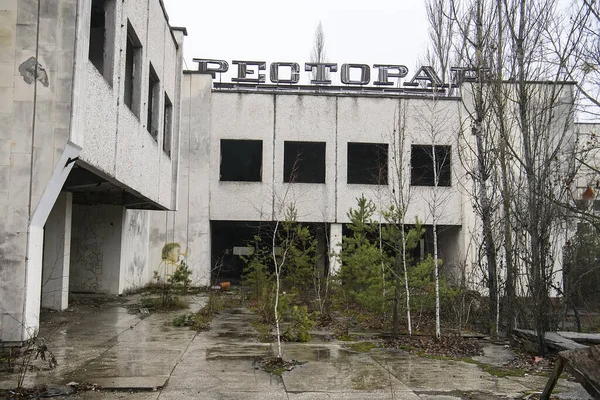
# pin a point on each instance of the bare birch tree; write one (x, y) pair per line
(433, 120)
(400, 196)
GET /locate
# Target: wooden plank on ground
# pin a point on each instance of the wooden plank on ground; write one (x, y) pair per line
(584, 364)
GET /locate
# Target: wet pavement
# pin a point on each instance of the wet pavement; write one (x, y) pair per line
(137, 358)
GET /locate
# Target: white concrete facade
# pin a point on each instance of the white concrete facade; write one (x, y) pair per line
(68, 141)
(212, 114)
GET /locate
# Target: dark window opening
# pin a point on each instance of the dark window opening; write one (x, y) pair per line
(423, 172)
(102, 37)
(153, 102)
(241, 160)
(167, 125)
(133, 53)
(304, 162)
(368, 163)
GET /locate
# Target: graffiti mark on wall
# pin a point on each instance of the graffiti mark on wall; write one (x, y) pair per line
(31, 70)
(172, 258)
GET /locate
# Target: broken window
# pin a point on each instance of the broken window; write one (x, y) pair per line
(133, 71)
(368, 163)
(167, 125)
(102, 37)
(304, 162)
(422, 166)
(153, 102)
(241, 160)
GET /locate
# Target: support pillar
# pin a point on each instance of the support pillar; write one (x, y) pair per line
(335, 246)
(57, 249)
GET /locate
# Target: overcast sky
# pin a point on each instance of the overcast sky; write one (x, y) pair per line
(367, 31)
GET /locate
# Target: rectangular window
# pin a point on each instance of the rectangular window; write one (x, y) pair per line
(167, 126)
(304, 162)
(133, 71)
(101, 43)
(423, 172)
(368, 163)
(153, 102)
(241, 160)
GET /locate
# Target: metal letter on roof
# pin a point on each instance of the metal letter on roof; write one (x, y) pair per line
(243, 71)
(203, 66)
(365, 74)
(385, 74)
(321, 72)
(427, 75)
(294, 74)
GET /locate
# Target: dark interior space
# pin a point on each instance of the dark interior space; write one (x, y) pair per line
(97, 34)
(368, 163)
(231, 240)
(241, 160)
(304, 162)
(226, 239)
(424, 247)
(421, 163)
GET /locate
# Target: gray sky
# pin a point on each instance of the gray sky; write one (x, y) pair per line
(367, 31)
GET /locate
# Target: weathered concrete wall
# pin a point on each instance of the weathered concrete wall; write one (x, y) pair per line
(96, 248)
(115, 140)
(36, 67)
(57, 254)
(135, 270)
(50, 94)
(189, 225)
(335, 120)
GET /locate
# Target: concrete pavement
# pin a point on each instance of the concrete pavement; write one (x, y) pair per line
(116, 348)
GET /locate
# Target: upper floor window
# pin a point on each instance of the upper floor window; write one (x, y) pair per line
(101, 45)
(168, 126)
(424, 172)
(241, 160)
(153, 102)
(368, 163)
(133, 71)
(304, 162)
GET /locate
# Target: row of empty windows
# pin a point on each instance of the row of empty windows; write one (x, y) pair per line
(101, 55)
(304, 162)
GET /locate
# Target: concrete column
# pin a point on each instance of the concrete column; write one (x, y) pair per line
(335, 246)
(57, 249)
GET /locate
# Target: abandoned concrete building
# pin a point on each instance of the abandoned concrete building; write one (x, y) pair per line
(90, 94)
(116, 165)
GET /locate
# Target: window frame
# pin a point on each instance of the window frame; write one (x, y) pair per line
(102, 59)
(133, 71)
(153, 104)
(167, 144)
